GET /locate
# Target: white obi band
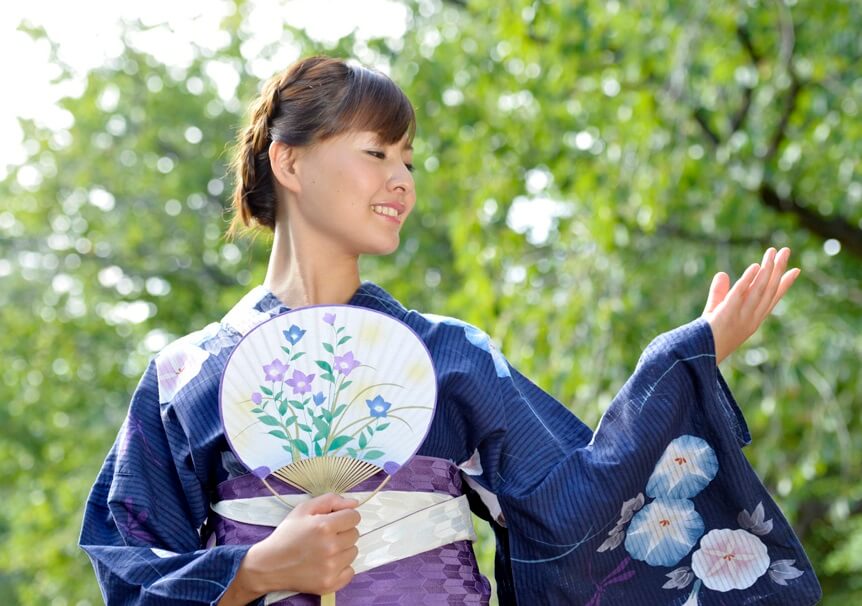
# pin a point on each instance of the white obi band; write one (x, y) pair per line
(395, 524)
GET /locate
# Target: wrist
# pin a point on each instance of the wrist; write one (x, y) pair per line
(253, 572)
(247, 584)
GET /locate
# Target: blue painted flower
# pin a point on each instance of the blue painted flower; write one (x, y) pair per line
(274, 371)
(378, 407)
(293, 334)
(318, 398)
(686, 467)
(329, 318)
(663, 532)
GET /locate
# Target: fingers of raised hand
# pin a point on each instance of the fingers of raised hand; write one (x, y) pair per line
(766, 284)
(761, 281)
(786, 282)
(737, 294)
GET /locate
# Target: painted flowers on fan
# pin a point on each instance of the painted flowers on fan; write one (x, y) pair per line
(300, 382)
(305, 410)
(378, 407)
(274, 371)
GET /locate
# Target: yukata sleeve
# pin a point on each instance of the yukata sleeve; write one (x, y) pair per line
(658, 506)
(142, 519)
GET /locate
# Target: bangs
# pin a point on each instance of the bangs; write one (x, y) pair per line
(374, 103)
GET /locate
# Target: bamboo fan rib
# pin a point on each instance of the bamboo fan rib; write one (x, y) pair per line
(320, 475)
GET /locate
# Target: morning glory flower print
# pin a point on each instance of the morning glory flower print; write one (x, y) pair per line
(344, 364)
(176, 365)
(329, 318)
(318, 398)
(686, 467)
(729, 559)
(293, 334)
(274, 371)
(378, 407)
(300, 382)
(478, 338)
(663, 532)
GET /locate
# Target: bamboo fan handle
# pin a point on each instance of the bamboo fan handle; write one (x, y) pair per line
(327, 599)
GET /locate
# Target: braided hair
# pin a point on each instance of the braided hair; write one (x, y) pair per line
(313, 100)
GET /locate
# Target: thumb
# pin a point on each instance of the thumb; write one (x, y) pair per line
(327, 504)
(717, 291)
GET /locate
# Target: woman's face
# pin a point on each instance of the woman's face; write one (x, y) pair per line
(355, 192)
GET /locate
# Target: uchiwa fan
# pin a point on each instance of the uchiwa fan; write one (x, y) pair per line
(325, 397)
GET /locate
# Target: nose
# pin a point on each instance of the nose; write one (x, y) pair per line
(401, 180)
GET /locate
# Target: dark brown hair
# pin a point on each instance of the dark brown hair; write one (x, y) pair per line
(313, 100)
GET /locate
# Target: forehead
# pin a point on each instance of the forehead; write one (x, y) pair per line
(368, 137)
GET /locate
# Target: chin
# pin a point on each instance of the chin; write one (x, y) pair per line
(383, 249)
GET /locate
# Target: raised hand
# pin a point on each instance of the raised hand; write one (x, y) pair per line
(734, 314)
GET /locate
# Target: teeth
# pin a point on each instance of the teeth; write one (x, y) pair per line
(385, 210)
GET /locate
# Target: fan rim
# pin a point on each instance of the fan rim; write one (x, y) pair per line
(386, 316)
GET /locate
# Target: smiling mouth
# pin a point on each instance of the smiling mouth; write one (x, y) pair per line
(386, 211)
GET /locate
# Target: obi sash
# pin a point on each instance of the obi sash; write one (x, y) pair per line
(415, 544)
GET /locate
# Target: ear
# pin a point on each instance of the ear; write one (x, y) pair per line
(282, 160)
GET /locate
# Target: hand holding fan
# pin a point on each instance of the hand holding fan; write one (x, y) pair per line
(325, 397)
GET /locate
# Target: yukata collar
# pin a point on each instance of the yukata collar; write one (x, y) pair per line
(368, 295)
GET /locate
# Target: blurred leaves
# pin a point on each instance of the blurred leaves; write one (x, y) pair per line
(584, 169)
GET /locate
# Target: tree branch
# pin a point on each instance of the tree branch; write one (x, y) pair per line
(700, 116)
(838, 228)
(780, 132)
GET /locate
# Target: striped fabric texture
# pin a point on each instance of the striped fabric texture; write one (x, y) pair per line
(657, 506)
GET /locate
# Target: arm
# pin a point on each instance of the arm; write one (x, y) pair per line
(610, 516)
(141, 529)
(140, 526)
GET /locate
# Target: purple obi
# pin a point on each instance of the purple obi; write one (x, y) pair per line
(414, 547)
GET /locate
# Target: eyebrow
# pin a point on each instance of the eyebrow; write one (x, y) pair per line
(408, 147)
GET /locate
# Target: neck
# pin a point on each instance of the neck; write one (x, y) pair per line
(301, 274)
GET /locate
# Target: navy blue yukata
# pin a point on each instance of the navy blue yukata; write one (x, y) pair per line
(657, 506)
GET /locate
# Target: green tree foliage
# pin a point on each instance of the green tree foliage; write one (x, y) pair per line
(584, 169)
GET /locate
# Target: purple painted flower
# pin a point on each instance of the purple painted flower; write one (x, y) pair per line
(275, 370)
(329, 318)
(318, 398)
(136, 522)
(378, 407)
(133, 427)
(344, 364)
(300, 382)
(256, 397)
(293, 334)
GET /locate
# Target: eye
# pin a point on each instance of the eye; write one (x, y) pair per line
(382, 156)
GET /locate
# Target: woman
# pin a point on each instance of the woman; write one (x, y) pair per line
(661, 491)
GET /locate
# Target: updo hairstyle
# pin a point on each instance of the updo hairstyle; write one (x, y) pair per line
(313, 100)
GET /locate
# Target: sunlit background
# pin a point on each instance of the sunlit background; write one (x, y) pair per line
(583, 170)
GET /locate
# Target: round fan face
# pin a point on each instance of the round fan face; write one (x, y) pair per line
(331, 380)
